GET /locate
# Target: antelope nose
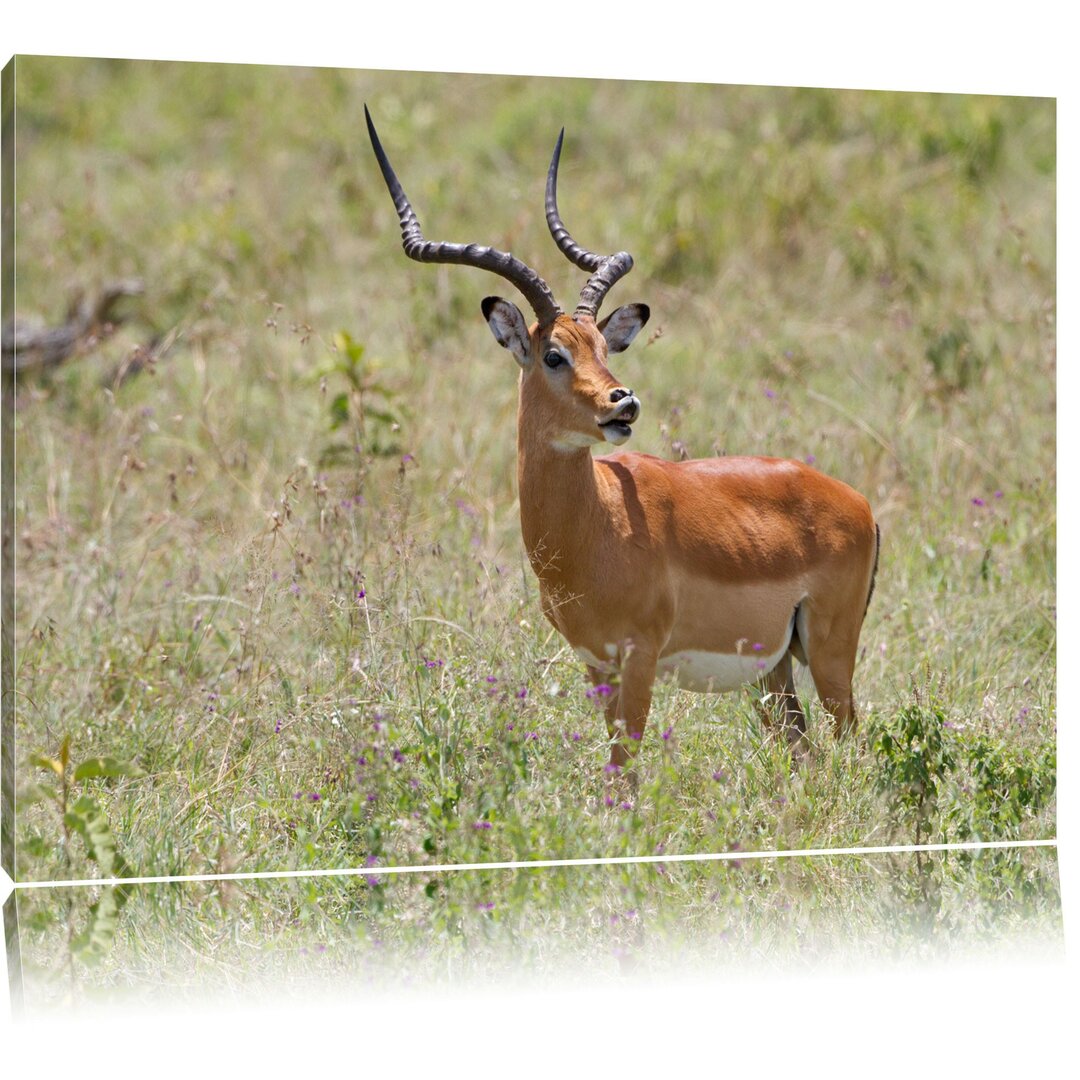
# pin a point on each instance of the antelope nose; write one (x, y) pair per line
(619, 393)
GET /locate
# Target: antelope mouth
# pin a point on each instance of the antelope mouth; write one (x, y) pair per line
(616, 424)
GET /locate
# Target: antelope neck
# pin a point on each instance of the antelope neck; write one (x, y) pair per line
(557, 494)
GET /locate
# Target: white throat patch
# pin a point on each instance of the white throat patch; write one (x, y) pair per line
(572, 440)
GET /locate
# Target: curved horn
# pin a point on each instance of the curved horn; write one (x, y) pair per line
(527, 280)
(605, 269)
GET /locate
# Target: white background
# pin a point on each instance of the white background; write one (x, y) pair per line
(1000, 1018)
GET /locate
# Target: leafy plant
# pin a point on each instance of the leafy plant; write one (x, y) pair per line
(1007, 786)
(960, 785)
(366, 408)
(915, 756)
(84, 818)
(954, 357)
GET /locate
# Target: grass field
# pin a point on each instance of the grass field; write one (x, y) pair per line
(274, 583)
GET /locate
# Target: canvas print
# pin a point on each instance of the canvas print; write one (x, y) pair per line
(416, 471)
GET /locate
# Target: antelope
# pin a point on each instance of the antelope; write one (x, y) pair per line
(714, 571)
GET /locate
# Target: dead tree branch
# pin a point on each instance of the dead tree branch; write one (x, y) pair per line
(27, 347)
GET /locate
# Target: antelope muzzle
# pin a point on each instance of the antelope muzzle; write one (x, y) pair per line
(616, 423)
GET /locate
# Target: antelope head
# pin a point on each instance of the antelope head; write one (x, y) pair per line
(572, 397)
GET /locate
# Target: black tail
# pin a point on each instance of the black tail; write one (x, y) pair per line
(873, 575)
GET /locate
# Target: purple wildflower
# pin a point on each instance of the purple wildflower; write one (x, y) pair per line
(522, 694)
(978, 502)
(770, 394)
(481, 825)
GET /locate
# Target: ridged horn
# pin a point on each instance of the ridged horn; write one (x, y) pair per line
(605, 269)
(524, 278)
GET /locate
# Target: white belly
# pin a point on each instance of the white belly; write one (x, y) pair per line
(714, 672)
(708, 672)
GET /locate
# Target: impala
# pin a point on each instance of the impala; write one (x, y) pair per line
(715, 571)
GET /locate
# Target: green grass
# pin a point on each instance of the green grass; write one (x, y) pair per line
(334, 418)
(191, 941)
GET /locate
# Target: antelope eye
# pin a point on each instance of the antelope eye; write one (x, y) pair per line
(553, 359)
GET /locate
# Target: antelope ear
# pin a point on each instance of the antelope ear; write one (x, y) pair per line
(508, 326)
(622, 325)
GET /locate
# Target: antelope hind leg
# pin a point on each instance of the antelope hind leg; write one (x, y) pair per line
(780, 705)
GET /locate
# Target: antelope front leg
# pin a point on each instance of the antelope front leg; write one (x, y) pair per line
(629, 712)
(606, 688)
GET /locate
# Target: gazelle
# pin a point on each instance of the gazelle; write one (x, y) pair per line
(716, 571)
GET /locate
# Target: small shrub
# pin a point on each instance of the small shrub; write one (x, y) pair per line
(914, 756)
